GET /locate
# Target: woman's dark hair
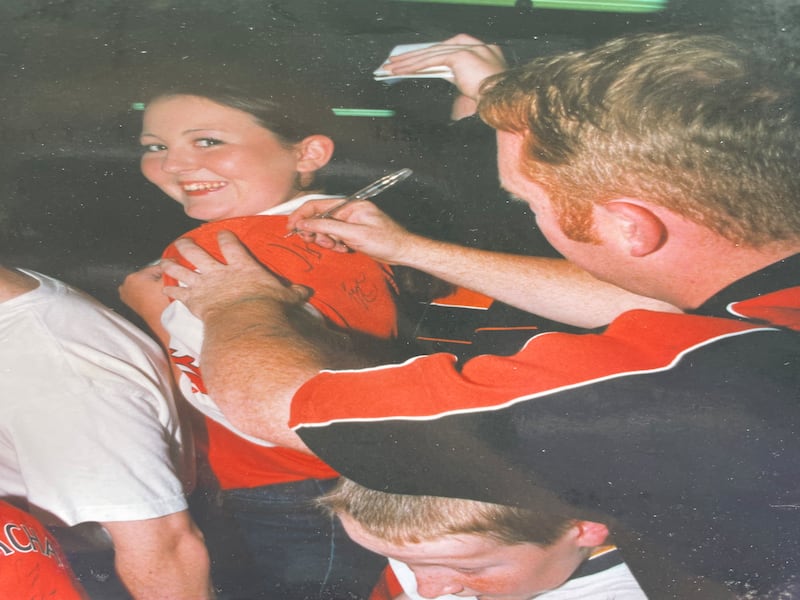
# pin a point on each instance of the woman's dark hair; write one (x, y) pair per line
(289, 116)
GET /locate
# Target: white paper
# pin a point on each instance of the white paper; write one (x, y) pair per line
(431, 72)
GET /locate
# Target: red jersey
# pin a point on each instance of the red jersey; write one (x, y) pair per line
(32, 565)
(350, 290)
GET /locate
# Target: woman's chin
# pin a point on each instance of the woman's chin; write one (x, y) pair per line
(203, 215)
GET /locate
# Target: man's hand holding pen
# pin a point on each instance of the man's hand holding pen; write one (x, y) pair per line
(359, 226)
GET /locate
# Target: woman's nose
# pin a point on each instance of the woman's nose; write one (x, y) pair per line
(175, 161)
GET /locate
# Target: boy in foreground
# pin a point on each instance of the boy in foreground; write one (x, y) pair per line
(449, 547)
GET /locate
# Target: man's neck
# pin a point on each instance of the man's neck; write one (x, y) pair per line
(700, 281)
(15, 283)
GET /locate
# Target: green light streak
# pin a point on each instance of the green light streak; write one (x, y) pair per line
(339, 112)
(630, 6)
(363, 112)
(622, 6)
(473, 2)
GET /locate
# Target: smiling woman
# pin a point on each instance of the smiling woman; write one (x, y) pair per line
(242, 162)
(221, 162)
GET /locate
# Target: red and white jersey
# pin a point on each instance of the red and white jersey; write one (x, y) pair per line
(32, 565)
(350, 291)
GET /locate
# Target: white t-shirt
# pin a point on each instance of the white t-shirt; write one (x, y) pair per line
(88, 425)
(614, 583)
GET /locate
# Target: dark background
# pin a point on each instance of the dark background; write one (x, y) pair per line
(74, 204)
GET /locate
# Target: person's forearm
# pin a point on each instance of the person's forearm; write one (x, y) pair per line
(182, 573)
(162, 562)
(550, 287)
(256, 354)
(553, 288)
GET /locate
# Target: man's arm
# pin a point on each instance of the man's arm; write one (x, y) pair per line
(260, 345)
(551, 287)
(163, 558)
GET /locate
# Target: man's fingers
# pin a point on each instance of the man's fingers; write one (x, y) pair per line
(193, 254)
(303, 293)
(175, 292)
(310, 209)
(320, 226)
(176, 271)
(232, 249)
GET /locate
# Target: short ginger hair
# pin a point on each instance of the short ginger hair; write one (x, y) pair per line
(688, 122)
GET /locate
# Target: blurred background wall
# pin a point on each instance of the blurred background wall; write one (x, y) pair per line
(73, 202)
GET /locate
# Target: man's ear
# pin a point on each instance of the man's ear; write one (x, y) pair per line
(640, 230)
(313, 153)
(590, 534)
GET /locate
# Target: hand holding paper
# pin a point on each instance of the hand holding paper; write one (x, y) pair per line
(382, 74)
(464, 60)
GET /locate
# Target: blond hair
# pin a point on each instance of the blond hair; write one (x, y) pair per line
(402, 518)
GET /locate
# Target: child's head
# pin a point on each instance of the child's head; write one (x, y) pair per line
(457, 546)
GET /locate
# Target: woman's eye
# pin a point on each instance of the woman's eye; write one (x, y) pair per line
(208, 142)
(153, 147)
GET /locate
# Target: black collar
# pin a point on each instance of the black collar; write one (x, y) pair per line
(778, 276)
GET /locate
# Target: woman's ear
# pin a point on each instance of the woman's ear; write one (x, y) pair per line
(639, 229)
(313, 153)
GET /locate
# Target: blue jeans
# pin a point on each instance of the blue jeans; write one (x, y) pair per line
(298, 551)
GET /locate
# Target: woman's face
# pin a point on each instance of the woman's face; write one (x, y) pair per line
(217, 161)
